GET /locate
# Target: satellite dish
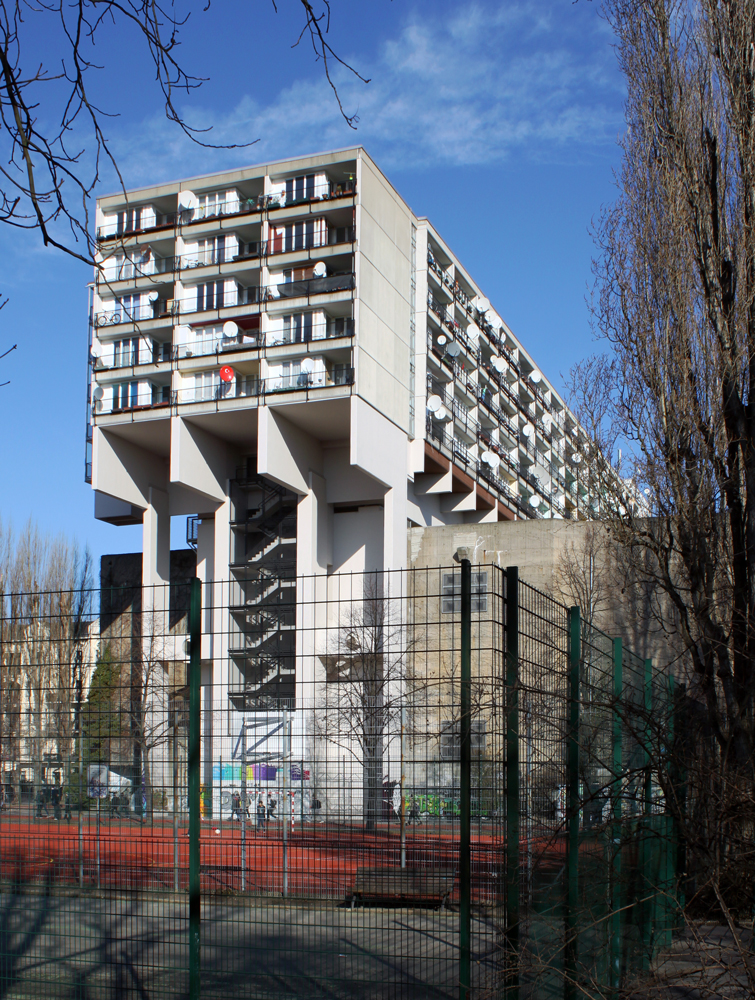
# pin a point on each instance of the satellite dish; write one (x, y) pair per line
(308, 365)
(96, 351)
(230, 329)
(153, 296)
(320, 270)
(187, 201)
(98, 393)
(227, 374)
(441, 339)
(453, 349)
(443, 414)
(500, 365)
(535, 502)
(527, 431)
(434, 403)
(483, 305)
(576, 458)
(536, 376)
(490, 458)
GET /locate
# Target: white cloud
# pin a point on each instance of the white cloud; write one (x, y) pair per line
(479, 87)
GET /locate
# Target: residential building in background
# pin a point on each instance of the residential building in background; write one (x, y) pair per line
(292, 359)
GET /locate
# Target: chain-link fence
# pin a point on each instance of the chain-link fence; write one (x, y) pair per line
(430, 783)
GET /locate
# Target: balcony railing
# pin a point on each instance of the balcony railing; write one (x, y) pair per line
(312, 286)
(135, 314)
(328, 331)
(130, 270)
(250, 386)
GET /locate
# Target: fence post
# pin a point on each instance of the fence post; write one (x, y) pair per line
(195, 672)
(512, 783)
(572, 790)
(646, 853)
(614, 917)
(465, 783)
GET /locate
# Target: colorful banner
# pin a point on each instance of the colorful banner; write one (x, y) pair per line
(263, 772)
(296, 773)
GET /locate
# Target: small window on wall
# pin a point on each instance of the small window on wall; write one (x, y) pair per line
(450, 601)
(450, 739)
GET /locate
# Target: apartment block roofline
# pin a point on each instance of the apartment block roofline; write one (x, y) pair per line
(180, 183)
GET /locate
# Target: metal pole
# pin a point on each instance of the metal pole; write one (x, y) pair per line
(646, 883)
(284, 809)
(175, 797)
(81, 800)
(465, 785)
(243, 805)
(512, 784)
(402, 805)
(615, 849)
(572, 829)
(98, 841)
(301, 794)
(195, 676)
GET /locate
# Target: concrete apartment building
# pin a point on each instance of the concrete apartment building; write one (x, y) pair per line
(291, 358)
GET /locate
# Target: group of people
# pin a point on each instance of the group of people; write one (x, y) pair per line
(117, 802)
(57, 798)
(265, 813)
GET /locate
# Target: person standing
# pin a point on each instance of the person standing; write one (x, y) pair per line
(67, 811)
(236, 807)
(56, 794)
(271, 806)
(260, 814)
(41, 802)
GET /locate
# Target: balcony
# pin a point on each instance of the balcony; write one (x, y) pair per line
(145, 265)
(252, 387)
(135, 313)
(331, 329)
(341, 282)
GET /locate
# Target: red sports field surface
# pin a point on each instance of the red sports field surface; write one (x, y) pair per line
(321, 859)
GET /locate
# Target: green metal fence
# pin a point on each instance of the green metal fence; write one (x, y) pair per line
(430, 783)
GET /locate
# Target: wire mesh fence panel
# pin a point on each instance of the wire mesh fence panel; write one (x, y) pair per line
(330, 757)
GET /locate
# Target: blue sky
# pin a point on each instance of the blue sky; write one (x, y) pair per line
(498, 122)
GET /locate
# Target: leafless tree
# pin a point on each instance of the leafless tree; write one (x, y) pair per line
(366, 677)
(675, 305)
(55, 137)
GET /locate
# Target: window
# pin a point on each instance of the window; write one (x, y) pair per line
(206, 386)
(212, 250)
(211, 204)
(130, 307)
(297, 329)
(300, 188)
(129, 221)
(450, 739)
(293, 376)
(125, 395)
(210, 295)
(450, 601)
(126, 352)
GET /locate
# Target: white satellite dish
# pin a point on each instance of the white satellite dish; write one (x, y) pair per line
(153, 296)
(441, 339)
(453, 349)
(527, 431)
(535, 502)
(536, 376)
(434, 403)
(320, 270)
(576, 458)
(308, 365)
(490, 458)
(187, 201)
(443, 414)
(98, 393)
(96, 351)
(500, 365)
(230, 329)
(483, 305)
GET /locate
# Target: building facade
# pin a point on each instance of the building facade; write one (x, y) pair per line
(290, 357)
